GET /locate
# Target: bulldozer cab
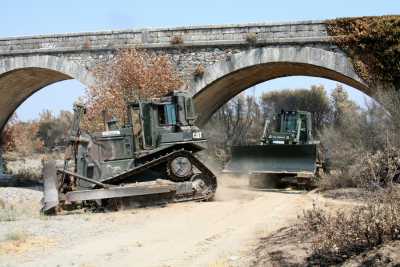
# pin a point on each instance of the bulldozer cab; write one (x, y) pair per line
(162, 121)
(288, 127)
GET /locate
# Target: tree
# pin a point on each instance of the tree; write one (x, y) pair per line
(132, 74)
(6, 139)
(238, 122)
(344, 109)
(25, 138)
(53, 130)
(344, 139)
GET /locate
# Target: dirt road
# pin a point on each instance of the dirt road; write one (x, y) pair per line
(218, 233)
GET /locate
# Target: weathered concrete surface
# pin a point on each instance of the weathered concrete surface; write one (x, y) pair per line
(235, 57)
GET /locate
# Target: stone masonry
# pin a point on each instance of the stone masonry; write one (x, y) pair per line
(294, 48)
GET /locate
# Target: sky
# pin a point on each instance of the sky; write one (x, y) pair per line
(31, 17)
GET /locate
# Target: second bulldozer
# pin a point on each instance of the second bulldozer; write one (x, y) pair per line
(287, 152)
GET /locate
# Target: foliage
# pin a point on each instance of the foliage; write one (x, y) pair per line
(251, 38)
(374, 45)
(237, 122)
(37, 136)
(24, 138)
(199, 70)
(132, 74)
(177, 39)
(6, 138)
(54, 130)
(389, 115)
(337, 236)
(377, 170)
(314, 100)
(341, 139)
(361, 144)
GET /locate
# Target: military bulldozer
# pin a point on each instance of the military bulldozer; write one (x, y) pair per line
(151, 154)
(286, 154)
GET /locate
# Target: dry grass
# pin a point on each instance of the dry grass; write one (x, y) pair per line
(29, 169)
(17, 236)
(8, 213)
(339, 235)
(20, 242)
(220, 263)
(11, 213)
(19, 203)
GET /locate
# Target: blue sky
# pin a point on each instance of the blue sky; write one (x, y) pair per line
(31, 17)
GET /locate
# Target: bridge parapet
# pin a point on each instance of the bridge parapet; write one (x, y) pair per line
(212, 35)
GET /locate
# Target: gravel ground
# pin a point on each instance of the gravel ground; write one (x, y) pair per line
(182, 234)
(19, 203)
(223, 232)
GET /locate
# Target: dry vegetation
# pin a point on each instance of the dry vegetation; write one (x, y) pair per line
(337, 236)
(132, 74)
(373, 44)
(251, 38)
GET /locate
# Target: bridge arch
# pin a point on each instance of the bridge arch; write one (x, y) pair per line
(223, 80)
(20, 77)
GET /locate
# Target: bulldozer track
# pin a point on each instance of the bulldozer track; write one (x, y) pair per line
(164, 159)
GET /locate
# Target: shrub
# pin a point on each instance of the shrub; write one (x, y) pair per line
(199, 71)
(176, 39)
(335, 180)
(365, 170)
(378, 169)
(337, 236)
(87, 44)
(251, 38)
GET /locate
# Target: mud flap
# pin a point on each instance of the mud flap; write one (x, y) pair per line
(50, 191)
(273, 159)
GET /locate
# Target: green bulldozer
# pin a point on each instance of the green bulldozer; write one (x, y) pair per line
(151, 155)
(287, 153)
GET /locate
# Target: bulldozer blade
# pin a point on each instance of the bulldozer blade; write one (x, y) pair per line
(50, 191)
(273, 159)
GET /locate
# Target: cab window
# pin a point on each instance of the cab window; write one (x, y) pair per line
(167, 114)
(291, 122)
(190, 113)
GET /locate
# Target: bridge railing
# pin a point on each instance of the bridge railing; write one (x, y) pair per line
(234, 34)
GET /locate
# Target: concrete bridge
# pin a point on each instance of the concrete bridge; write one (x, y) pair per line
(235, 58)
